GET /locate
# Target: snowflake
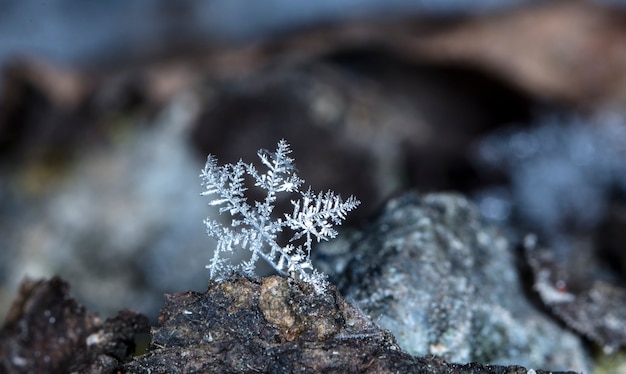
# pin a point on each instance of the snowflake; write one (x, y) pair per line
(253, 226)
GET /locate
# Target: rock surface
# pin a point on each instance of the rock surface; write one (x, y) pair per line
(597, 310)
(46, 331)
(272, 325)
(445, 283)
(277, 325)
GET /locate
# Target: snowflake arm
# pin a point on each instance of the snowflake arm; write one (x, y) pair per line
(315, 215)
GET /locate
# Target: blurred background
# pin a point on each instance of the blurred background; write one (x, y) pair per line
(109, 109)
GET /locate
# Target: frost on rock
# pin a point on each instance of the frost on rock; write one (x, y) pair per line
(253, 226)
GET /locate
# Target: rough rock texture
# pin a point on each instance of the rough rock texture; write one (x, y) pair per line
(596, 310)
(46, 331)
(277, 325)
(446, 284)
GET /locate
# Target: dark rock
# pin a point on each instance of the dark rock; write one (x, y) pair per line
(597, 311)
(277, 325)
(112, 344)
(445, 283)
(47, 331)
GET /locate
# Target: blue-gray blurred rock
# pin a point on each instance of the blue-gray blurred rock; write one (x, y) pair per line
(562, 171)
(567, 183)
(123, 226)
(445, 283)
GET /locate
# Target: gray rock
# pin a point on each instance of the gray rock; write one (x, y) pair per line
(447, 284)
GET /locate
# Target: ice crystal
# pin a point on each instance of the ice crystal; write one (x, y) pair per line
(253, 226)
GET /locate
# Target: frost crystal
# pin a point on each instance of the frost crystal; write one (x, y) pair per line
(253, 227)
